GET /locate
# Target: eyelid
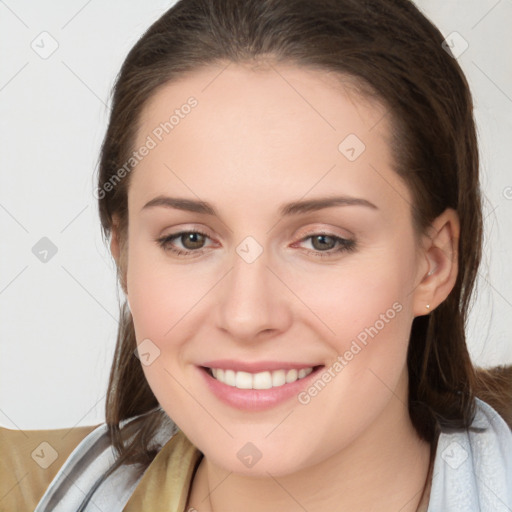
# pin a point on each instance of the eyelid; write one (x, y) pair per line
(337, 238)
(177, 235)
(191, 228)
(322, 230)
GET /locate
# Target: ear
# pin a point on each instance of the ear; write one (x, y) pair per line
(440, 252)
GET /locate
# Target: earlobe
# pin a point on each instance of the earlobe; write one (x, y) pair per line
(441, 250)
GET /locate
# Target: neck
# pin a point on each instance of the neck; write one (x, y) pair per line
(387, 465)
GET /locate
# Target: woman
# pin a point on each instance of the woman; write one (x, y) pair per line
(290, 190)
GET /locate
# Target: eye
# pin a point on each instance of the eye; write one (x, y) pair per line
(326, 244)
(191, 242)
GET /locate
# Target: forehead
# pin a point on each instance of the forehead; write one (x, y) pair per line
(245, 93)
(255, 125)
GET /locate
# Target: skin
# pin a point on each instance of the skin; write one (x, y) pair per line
(259, 138)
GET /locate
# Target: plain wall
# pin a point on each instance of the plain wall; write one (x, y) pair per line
(58, 319)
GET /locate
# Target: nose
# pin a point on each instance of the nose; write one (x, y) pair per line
(252, 301)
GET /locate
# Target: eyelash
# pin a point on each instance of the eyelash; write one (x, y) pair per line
(165, 241)
(345, 244)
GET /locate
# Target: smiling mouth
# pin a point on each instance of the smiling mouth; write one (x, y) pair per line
(260, 380)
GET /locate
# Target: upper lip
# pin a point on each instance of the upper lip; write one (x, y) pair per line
(255, 366)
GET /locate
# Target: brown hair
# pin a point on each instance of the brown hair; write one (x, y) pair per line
(395, 54)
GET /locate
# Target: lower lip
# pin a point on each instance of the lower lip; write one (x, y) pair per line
(256, 399)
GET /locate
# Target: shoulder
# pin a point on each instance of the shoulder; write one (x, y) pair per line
(83, 474)
(473, 468)
(29, 461)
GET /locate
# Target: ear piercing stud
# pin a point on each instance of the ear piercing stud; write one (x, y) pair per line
(428, 306)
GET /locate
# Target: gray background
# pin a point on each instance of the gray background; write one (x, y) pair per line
(58, 319)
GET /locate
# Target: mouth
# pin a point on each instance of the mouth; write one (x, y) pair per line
(261, 380)
(257, 391)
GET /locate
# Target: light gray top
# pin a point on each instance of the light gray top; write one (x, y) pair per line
(473, 470)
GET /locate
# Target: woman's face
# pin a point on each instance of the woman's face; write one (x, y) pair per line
(283, 277)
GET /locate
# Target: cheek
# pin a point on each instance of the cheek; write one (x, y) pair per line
(366, 309)
(159, 302)
(165, 302)
(357, 295)
(149, 298)
(369, 310)
(160, 295)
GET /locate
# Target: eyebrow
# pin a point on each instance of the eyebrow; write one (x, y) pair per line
(293, 208)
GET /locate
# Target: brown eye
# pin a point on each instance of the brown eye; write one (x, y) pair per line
(184, 243)
(192, 240)
(325, 245)
(323, 242)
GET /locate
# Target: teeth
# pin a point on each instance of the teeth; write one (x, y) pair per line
(292, 376)
(243, 380)
(229, 377)
(262, 380)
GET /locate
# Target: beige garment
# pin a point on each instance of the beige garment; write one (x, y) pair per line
(29, 460)
(166, 483)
